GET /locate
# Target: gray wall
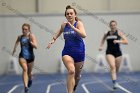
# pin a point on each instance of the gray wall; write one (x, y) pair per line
(48, 6)
(49, 60)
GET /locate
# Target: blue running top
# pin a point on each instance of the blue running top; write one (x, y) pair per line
(26, 48)
(73, 40)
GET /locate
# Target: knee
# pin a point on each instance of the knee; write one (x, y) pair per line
(113, 69)
(71, 72)
(25, 70)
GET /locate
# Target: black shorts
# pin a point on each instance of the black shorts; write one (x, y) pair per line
(114, 53)
(28, 60)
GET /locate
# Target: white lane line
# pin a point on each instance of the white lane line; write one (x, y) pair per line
(84, 86)
(88, 83)
(103, 83)
(118, 86)
(14, 87)
(50, 85)
(18, 85)
(124, 89)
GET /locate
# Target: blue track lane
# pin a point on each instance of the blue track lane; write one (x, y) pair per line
(55, 83)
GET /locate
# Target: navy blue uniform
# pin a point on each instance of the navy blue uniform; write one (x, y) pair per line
(74, 45)
(26, 49)
(112, 48)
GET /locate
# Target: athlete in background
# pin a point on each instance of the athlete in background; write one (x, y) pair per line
(113, 52)
(26, 57)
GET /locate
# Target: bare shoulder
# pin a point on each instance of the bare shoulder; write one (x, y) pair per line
(19, 36)
(32, 35)
(62, 26)
(105, 33)
(79, 22)
(120, 33)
